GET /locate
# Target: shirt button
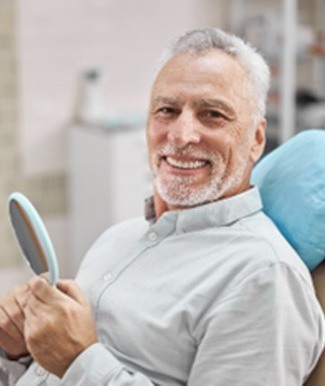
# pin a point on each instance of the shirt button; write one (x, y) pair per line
(152, 236)
(40, 371)
(108, 277)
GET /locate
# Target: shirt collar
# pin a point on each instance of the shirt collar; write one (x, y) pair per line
(216, 214)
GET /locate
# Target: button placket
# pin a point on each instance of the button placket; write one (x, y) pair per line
(108, 277)
(40, 371)
(152, 236)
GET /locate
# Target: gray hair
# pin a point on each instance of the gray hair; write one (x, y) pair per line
(200, 41)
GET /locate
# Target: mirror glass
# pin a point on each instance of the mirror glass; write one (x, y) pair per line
(32, 236)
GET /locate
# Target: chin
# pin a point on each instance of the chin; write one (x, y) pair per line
(188, 196)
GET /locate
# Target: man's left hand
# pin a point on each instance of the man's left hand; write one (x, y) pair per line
(58, 324)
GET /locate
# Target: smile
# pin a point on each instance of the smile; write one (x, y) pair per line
(185, 165)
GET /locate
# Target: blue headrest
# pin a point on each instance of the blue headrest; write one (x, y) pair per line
(292, 183)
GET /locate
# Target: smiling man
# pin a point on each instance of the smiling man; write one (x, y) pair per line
(205, 290)
(202, 135)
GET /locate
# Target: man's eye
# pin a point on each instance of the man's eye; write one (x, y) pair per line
(212, 114)
(166, 110)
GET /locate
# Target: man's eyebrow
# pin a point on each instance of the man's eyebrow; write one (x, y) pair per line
(206, 102)
(165, 100)
(216, 103)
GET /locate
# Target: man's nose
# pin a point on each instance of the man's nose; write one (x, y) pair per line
(184, 130)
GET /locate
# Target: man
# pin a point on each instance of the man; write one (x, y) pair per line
(207, 293)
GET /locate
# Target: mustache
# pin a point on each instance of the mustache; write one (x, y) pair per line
(188, 151)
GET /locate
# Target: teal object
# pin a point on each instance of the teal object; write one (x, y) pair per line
(32, 236)
(292, 184)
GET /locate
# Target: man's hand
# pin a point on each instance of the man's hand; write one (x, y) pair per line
(12, 322)
(58, 324)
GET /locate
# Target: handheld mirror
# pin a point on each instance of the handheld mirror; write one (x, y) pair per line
(32, 237)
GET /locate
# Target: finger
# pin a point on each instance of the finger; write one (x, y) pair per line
(33, 307)
(12, 347)
(71, 289)
(46, 276)
(12, 320)
(20, 295)
(65, 289)
(12, 316)
(37, 312)
(5, 339)
(21, 299)
(9, 324)
(41, 289)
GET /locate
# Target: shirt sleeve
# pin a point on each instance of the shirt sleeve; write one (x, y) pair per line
(11, 371)
(268, 331)
(97, 366)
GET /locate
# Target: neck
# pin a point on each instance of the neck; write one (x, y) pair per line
(160, 205)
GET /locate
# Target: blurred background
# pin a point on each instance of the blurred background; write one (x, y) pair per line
(75, 78)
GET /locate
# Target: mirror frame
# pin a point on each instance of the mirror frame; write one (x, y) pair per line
(38, 233)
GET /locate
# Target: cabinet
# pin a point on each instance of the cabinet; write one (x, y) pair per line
(108, 182)
(291, 36)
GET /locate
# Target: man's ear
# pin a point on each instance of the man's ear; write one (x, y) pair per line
(259, 140)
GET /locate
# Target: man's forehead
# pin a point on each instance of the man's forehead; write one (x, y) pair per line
(212, 54)
(214, 65)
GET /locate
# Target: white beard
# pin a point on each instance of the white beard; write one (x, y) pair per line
(181, 190)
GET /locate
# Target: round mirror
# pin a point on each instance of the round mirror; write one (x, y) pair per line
(32, 236)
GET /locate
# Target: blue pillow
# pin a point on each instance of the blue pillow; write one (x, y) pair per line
(292, 183)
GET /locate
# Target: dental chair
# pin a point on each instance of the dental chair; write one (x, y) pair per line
(317, 378)
(292, 183)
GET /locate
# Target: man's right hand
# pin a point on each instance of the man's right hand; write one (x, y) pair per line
(12, 322)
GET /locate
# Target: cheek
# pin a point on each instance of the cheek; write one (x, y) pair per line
(230, 147)
(221, 142)
(155, 135)
(151, 135)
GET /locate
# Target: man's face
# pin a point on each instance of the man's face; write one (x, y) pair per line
(201, 137)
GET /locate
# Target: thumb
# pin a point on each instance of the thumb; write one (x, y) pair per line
(71, 289)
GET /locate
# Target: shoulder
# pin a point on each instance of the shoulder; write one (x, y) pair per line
(267, 247)
(126, 229)
(113, 241)
(263, 230)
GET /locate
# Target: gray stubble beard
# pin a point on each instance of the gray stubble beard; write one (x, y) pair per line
(180, 193)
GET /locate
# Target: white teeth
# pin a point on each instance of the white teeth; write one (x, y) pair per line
(185, 165)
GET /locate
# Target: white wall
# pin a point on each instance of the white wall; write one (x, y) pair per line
(58, 39)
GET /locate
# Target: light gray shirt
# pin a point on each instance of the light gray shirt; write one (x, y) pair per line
(211, 295)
